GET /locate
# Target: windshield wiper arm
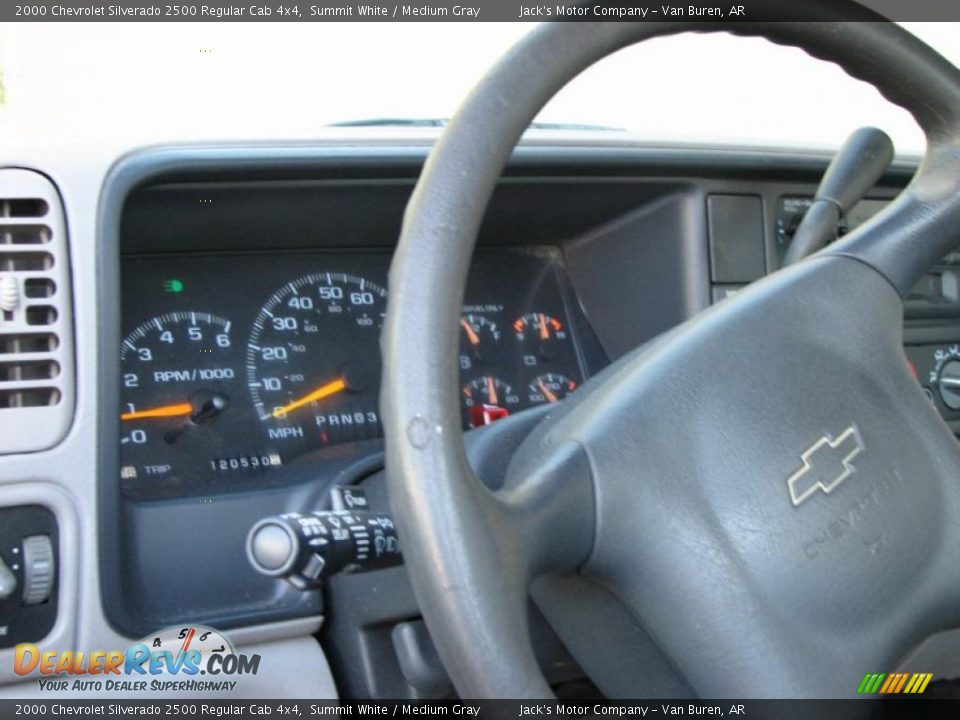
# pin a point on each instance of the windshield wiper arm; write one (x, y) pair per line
(443, 122)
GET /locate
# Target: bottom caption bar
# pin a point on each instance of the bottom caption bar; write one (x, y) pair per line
(899, 707)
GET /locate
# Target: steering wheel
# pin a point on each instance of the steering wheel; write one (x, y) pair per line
(765, 488)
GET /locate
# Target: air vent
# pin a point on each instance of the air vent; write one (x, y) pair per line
(36, 337)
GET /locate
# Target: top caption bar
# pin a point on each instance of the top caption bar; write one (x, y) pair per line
(466, 11)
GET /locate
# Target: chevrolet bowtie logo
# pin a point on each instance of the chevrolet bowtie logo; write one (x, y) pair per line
(826, 464)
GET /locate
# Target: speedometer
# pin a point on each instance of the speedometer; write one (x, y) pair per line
(313, 362)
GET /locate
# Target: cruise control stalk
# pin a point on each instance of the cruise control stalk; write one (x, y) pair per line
(304, 548)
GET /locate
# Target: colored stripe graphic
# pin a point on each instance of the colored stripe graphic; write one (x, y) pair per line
(871, 683)
(903, 680)
(891, 681)
(894, 683)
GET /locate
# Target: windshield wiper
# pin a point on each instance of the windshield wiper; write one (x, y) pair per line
(443, 122)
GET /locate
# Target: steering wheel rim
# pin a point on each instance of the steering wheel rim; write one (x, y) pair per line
(471, 553)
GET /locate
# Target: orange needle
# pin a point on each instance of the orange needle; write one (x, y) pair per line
(544, 330)
(546, 392)
(471, 334)
(324, 391)
(492, 391)
(176, 410)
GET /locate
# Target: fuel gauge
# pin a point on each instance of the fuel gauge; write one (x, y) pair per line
(479, 339)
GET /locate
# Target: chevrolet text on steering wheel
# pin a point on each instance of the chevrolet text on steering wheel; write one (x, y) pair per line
(689, 477)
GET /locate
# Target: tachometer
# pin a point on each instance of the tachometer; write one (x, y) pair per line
(177, 374)
(313, 362)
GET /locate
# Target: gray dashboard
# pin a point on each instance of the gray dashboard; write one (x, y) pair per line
(636, 240)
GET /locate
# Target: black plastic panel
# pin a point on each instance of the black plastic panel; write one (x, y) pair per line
(242, 215)
(736, 238)
(18, 622)
(645, 272)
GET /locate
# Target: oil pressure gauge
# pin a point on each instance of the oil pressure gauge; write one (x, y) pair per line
(486, 399)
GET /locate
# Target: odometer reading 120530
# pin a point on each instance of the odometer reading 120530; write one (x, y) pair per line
(313, 362)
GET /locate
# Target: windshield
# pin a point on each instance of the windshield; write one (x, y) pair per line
(145, 83)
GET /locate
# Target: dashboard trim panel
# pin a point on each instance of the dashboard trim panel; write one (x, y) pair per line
(642, 173)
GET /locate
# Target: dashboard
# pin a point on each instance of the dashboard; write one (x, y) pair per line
(233, 370)
(234, 366)
(242, 362)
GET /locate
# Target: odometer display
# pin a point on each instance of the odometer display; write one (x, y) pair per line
(313, 365)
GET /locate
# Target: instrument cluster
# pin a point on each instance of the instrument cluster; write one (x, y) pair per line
(236, 366)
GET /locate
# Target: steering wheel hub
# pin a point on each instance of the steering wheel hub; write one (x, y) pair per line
(796, 502)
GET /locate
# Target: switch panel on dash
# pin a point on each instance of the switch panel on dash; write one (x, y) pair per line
(38, 569)
(736, 238)
(28, 573)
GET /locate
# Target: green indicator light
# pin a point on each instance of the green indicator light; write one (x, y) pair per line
(173, 285)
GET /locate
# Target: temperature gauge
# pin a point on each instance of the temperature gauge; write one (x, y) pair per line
(550, 388)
